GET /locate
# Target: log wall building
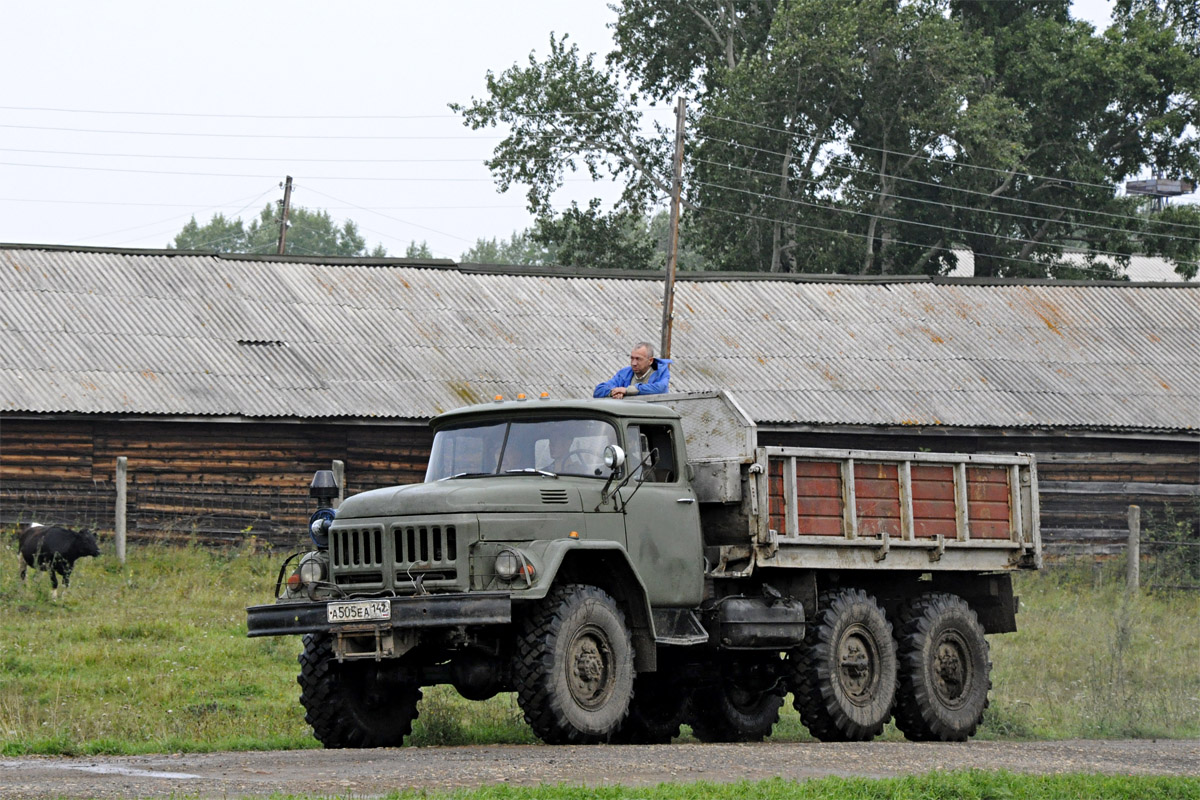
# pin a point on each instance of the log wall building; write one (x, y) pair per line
(227, 381)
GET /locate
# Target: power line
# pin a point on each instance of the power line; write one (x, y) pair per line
(246, 175)
(964, 191)
(852, 234)
(196, 115)
(913, 155)
(1001, 237)
(960, 207)
(252, 158)
(247, 135)
(193, 205)
(253, 199)
(393, 219)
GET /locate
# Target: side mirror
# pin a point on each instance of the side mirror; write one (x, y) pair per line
(614, 457)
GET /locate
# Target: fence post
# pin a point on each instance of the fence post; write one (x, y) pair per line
(1134, 550)
(339, 475)
(122, 498)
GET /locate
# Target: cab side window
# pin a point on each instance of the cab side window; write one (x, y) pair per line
(657, 441)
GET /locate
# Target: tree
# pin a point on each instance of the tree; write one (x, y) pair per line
(310, 233)
(1096, 109)
(415, 250)
(519, 250)
(220, 235)
(870, 135)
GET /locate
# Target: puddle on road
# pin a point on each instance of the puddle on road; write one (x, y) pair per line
(105, 769)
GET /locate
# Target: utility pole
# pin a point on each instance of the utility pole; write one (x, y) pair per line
(286, 206)
(673, 234)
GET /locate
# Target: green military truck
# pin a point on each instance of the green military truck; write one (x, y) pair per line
(626, 567)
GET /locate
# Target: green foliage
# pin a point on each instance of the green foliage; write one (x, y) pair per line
(1183, 248)
(520, 249)
(588, 238)
(415, 250)
(871, 137)
(310, 233)
(579, 238)
(563, 113)
(1171, 547)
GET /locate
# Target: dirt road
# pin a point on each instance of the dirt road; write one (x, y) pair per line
(371, 772)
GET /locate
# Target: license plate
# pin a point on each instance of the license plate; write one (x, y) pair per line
(359, 611)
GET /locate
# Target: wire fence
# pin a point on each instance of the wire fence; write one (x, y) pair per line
(204, 513)
(226, 513)
(1171, 564)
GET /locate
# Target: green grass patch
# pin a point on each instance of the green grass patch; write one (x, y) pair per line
(962, 785)
(153, 657)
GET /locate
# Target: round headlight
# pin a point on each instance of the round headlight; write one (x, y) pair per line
(312, 570)
(508, 565)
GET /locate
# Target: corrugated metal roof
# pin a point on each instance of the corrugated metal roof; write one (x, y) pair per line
(150, 332)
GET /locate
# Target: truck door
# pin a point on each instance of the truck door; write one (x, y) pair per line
(662, 518)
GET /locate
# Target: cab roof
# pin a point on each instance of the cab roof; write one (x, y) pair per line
(548, 409)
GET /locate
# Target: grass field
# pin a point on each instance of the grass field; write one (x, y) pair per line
(933, 786)
(152, 657)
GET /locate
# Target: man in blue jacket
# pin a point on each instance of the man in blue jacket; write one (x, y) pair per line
(644, 375)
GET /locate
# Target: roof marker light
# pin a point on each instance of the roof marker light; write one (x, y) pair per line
(521, 396)
(499, 398)
(545, 396)
(573, 535)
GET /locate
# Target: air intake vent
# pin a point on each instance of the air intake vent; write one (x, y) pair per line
(555, 496)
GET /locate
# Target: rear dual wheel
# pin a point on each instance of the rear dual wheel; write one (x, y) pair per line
(743, 706)
(944, 669)
(656, 711)
(844, 678)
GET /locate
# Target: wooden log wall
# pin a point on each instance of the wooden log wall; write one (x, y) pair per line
(257, 473)
(220, 481)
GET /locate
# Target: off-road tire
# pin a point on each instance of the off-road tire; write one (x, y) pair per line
(574, 666)
(844, 678)
(656, 711)
(944, 669)
(731, 713)
(354, 704)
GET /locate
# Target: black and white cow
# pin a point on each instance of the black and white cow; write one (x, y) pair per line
(55, 549)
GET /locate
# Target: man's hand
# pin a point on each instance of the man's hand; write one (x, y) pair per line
(618, 392)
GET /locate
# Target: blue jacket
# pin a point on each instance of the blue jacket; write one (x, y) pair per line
(659, 378)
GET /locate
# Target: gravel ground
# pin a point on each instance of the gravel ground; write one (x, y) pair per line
(361, 773)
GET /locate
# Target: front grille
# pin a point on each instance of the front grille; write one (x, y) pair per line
(369, 557)
(428, 549)
(356, 556)
(356, 548)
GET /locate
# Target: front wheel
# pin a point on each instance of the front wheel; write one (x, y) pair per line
(355, 703)
(574, 666)
(844, 678)
(944, 670)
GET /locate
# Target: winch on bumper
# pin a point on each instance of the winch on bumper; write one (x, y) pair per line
(370, 627)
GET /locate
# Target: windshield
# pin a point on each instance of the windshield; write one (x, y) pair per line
(561, 447)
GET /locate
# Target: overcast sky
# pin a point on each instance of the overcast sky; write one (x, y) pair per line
(119, 120)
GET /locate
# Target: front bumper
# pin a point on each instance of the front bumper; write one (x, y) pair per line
(418, 611)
